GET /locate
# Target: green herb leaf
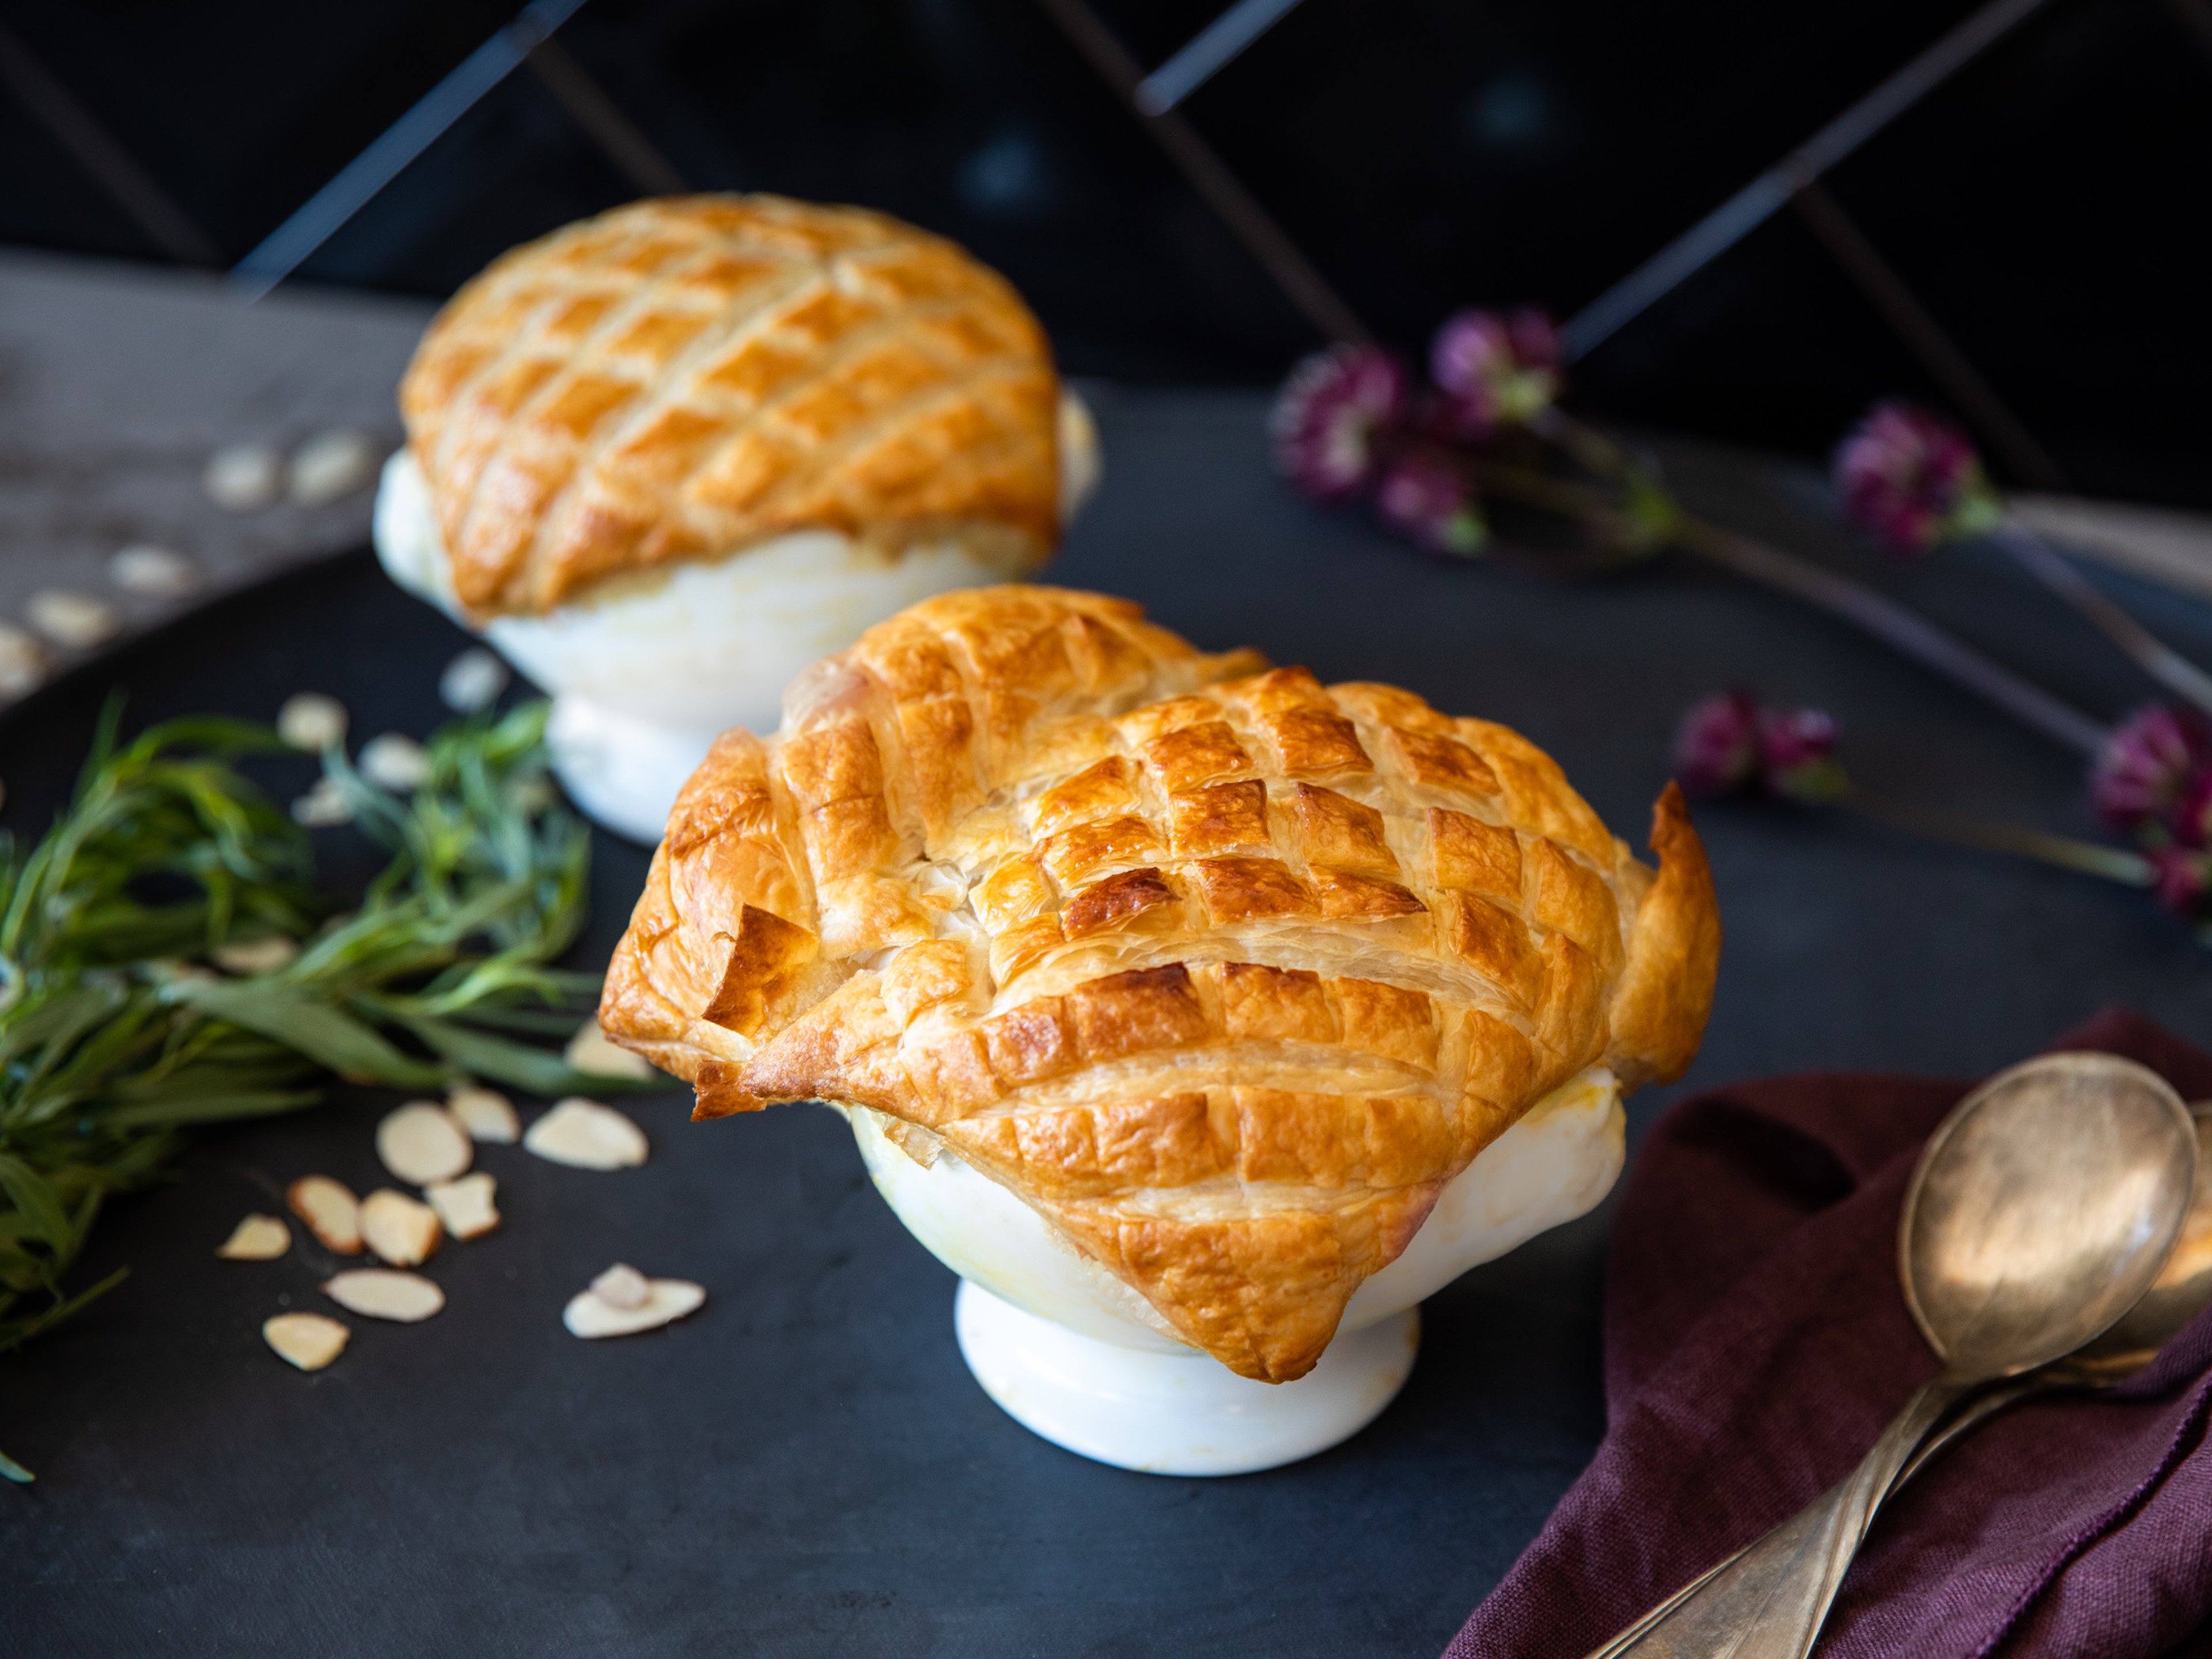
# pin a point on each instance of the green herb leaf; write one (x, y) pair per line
(115, 1035)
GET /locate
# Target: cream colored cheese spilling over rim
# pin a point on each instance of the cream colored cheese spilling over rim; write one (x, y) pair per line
(1556, 1164)
(702, 646)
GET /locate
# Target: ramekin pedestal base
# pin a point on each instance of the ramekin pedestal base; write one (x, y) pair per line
(1176, 1414)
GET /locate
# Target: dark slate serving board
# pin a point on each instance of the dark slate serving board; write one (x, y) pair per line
(805, 1467)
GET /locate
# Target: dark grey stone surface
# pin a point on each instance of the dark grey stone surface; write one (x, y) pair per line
(805, 1467)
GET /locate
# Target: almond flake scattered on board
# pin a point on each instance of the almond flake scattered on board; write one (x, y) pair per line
(422, 1143)
(152, 572)
(243, 477)
(395, 763)
(323, 807)
(588, 1314)
(312, 721)
(622, 1286)
(403, 1231)
(486, 1113)
(585, 1135)
(23, 661)
(592, 1052)
(381, 1293)
(332, 1211)
(472, 681)
(256, 956)
(465, 1205)
(256, 1238)
(330, 465)
(76, 621)
(309, 1340)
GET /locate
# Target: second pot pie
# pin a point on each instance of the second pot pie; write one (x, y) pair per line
(1225, 972)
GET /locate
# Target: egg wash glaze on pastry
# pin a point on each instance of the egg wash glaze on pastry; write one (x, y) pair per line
(1224, 973)
(668, 456)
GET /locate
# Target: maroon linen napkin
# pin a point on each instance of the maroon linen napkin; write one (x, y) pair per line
(1756, 1344)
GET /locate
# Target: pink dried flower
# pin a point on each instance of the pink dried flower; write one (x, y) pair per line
(1334, 418)
(2191, 821)
(1494, 370)
(2149, 761)
(1427, 498)
(1797, 755)
(2183, 878)
(1730, 742)
(1913, 479)
(1716, 745)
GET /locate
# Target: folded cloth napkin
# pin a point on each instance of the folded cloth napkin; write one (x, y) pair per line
(1756, 1344)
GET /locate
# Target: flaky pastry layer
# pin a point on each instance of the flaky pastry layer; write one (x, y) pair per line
(1223, 971)
(680, 379)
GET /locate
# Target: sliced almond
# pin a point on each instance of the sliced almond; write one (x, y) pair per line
(592, 1052)
(401, 1230)
(381, 1293)
(332, 1211)
(422, 1143)
(256, 956)
(485, 1114)
(623, 1287)
(393, 761)
(256, 1238)
(242, 478)
(585, 1135)
(330, 465)
(310, 1341)
(152, 572)
(68, 618)
(666, 1299)
(465, 1205)
(312, 721)
(473, 681)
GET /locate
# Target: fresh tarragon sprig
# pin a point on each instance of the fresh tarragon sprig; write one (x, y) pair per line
(117, 1035)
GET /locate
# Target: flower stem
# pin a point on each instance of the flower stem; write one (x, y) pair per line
(1897, 626)
(2089, 858)
(2150, 654)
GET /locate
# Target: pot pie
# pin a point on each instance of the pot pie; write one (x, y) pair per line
(667, 456)
(1224, 972)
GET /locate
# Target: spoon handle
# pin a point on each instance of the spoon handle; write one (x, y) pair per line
(1769, 1602)
(1970, 1415)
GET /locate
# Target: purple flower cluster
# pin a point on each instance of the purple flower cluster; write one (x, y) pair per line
(1337, 418)
(1349, 423)
(1732, 743)
(1913, 480)
(2153, 779)
(1494, 371)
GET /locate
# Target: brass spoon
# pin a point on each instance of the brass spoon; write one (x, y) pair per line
(2042, 1210)
(2182, 1290)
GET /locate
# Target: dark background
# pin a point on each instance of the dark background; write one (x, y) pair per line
(1425, 153)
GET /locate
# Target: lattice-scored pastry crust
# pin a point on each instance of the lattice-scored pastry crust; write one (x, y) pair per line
(682, 377)
(1223, 971)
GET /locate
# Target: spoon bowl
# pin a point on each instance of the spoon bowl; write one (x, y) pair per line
(2182, 1290)
(2042, 1209)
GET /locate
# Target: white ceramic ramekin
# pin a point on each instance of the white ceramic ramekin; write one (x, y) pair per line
(646, 671)
(1075, 1355)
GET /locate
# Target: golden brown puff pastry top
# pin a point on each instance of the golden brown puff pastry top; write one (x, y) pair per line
(681, 378)
(1223, 971)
